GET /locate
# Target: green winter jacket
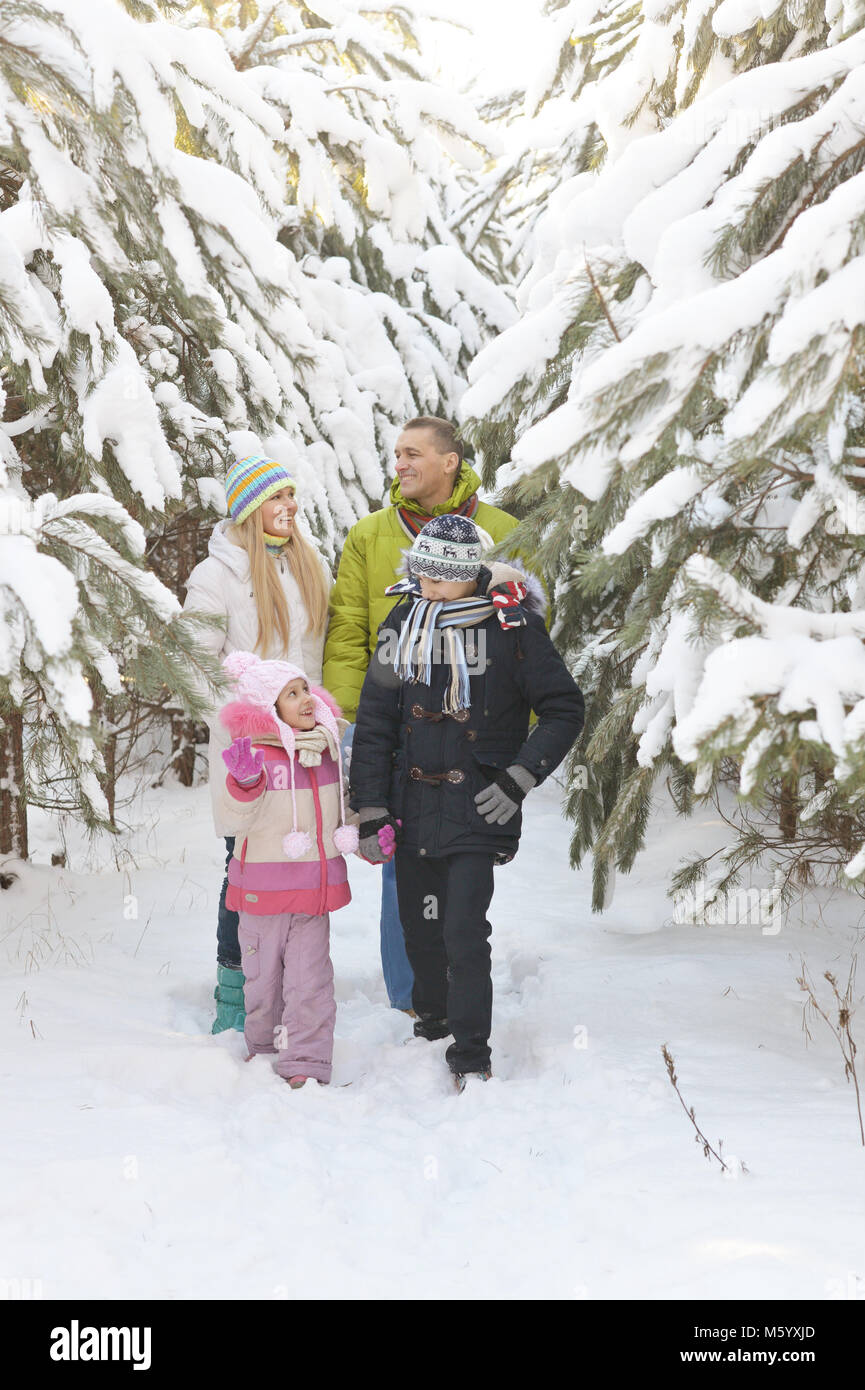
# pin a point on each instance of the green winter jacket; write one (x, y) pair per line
(370, 561)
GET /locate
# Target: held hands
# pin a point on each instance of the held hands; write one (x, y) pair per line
(377, 832)
(498, 802)
(244, 765)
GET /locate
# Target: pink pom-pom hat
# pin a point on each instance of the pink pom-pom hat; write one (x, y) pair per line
(260, 683)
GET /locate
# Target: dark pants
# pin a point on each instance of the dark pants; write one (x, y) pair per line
(443, 905)
(227, 945)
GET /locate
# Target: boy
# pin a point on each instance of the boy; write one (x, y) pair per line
(442, 744)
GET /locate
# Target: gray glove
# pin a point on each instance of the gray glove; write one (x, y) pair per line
(498, 802)
(373, 819)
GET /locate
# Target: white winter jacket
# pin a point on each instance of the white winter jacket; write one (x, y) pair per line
(222, 584)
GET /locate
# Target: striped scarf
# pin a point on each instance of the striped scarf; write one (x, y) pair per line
(275, 545)
(413, 522)
(414, 655)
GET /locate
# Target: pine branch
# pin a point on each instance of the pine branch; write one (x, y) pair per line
(812, 196)
(600, 298)
(266, 14)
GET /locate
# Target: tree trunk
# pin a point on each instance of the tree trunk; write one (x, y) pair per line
(13, 800)
(789, 808)
(102, 712)
(183, 749)
(109, 756)
(183, 731)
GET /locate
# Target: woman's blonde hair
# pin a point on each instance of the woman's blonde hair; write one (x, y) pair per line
(270, 601)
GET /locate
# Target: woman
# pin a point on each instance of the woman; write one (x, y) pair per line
(271, 587)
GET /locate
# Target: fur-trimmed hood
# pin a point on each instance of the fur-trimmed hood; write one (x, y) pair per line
(244, 720)
(510, 571)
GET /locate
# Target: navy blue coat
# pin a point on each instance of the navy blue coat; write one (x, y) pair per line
(394, 741)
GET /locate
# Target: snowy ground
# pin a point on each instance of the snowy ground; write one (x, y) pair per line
(142, 1158)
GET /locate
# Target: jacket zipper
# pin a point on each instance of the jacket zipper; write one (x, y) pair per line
(243, 864)
(319, 837)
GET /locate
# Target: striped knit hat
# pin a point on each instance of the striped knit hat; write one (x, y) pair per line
(250, 482)
(449, 547)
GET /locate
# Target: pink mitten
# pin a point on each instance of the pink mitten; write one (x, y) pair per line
(387, 839)
(244, 765)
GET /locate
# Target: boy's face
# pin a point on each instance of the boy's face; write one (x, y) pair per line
(442, 590)
(294, 705)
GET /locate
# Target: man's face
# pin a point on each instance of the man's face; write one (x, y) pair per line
(425, 475)
(294, 705)
(443, 590)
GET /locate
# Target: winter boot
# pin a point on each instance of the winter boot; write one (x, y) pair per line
(295, 1082)
(431, 1028)
(230, 1011)
(461, 1077)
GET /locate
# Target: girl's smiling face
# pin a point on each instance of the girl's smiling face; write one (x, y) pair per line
(278, 511)
(294, 705)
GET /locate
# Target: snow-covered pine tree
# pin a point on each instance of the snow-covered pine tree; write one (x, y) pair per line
(146, 310)
(549, 127)
(685, 387)
(377, 154)
(605, 72)
(153, 325)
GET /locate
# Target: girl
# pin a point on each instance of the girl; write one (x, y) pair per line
(283, 796)
(271, 589)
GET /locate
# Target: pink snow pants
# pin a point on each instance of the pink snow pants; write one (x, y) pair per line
(288, 990)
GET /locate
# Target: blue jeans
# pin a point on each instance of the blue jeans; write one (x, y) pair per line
(227, 945)
(398, 975)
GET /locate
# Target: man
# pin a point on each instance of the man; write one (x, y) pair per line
(432, 479)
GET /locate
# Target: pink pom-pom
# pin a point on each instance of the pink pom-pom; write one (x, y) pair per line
(296, 843)
(346, 839)
(236, 664)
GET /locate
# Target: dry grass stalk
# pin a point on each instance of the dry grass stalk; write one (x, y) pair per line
(841, 1030)
(699, 1137)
